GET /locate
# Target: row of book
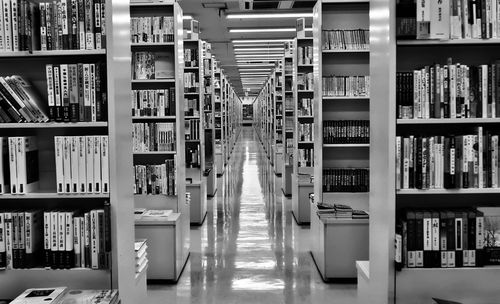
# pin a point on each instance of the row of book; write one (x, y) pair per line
(193, 158)
(208, 120)
(447, 162)
(447, 238)
(55, 25)
(192, 129)
(447, 19)
(449, 91)
(305, 157)
(191, 83)
(304, 55)
(279, 110)
(55, 239)
(346, 86)
(207, 68)
(339, 211)
(289, 123)
(154, 136)
(155, 29)
(289, 103)
(152, 65)
(305, 81)
(288, 67)
(305, 107)
(207, 102)
(305, 132)
(82, 164)
(346, 131)
(191, 107)
(153, 103)
(346, 179)
(62, 295)
(156, 179)
(207, 85)
(358, 39)
(191, 57)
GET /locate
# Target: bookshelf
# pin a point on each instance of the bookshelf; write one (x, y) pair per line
(303, 140)
(168, 79)
(219, 135)
(196, 183)
(209, 118)
(32, 67)
(278, 118)
(337, 156)
(288, 123)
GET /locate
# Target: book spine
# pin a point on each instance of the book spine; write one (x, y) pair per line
(69, 240)
(3, 250)
(47, 249)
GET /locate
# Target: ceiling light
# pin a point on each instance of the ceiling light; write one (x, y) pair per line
(260, 40)
(187, 17)
(262, 30)
(272, 15)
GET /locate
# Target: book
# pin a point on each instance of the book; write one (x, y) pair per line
(40, 295)
(103, 296)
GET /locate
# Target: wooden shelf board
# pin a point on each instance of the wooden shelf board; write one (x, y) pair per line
(449, 42)
(51, 125)
(346, 145)
(54, 53)
(447, 121)
(449, 191)
(305, 65)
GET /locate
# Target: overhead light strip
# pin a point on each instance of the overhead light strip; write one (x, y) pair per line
(270, 15)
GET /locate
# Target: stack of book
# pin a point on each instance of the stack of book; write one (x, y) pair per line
(55, 239)
(141, 260)
(339, 211)
(61, 295)
(450, 90)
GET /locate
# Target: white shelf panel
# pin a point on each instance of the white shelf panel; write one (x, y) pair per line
(153, 3)
(305, 65)
(191, 94)
(449, 191)
(367, 51)
(156, 153)
(53, 195)
(305, 91)
(192, 68)
(153, 81)
(191, 117)
(345, 97)
(152, 44)
(448, 121)
(154, 118)
(53, 125)
(305, 117)
(449, 42)
(346, 145)
(54, 53)
(306, 142)
(344, 1)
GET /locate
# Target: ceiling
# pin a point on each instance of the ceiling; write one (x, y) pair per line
(215, 27)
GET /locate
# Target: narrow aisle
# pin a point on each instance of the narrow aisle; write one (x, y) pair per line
(250, 250)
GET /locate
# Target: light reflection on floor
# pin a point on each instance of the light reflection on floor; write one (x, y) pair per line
(250, 249)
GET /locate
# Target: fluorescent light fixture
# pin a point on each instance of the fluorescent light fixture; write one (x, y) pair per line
(270, 15)
(261, 40)
(187, 17)
(262, 30)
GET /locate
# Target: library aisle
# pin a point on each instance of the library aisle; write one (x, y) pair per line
(250, 250)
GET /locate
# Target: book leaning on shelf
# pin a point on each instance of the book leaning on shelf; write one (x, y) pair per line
(57, 25)
(447, 19)
(55, 239)
(82, 164)
(450, 90)
(448, 162)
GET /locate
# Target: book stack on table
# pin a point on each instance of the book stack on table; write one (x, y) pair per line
(339, 211)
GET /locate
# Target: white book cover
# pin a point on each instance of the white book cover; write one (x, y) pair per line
(59, 151)
(24, 146)
(9, 230)
(75, 155)
(77, 240)
(435, 233)
(406, 163)
(67, 163)
(97, 164)
(82, 164)
(398, 162)
(428, 233)
(94, 240)
(82, 241)
(90, 164)
(43, 26)
(479, 232)
(14, 24)
(451, 259)
(7, 26)
(61, 233)
(86, 91)
(3, 254)
(105, 164)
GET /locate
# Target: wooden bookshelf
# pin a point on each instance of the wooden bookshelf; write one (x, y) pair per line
(177, 203)
(31, 66)
(339, 15)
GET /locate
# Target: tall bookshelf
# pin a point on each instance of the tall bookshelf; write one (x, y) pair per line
(278, 118)
(209, 119)
(196, 183)
(339, 157)
(219, 135)
(31, 65)
(288, 123)
(172, 52)
(303, 140)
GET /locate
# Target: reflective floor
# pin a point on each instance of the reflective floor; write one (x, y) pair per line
(250, 250)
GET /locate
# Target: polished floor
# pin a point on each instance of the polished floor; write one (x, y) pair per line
(250, 250)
